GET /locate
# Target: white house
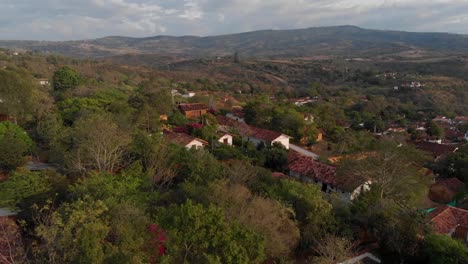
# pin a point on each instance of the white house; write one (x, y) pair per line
(324, 176)
(189, 95)
(43, 82)
(185, 140)
(258, 135)
(225, 138)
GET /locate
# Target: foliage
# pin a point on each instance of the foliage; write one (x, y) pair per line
(197, 234)
(75, 233)
(441, 249)
(332, 249)
(22, 185)
(435, 130)
(455, 165)
(99, 144)
(65, 78)
(16, 93)
(266, 216)
(276, 158)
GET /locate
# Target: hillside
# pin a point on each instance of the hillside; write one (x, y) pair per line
(299, 43)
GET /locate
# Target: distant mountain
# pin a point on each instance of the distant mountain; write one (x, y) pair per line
(339, 41)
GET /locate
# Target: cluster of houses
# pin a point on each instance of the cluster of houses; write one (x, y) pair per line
(303, 165)
(306, 168)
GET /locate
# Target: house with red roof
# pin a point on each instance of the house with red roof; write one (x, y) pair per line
(324, 176)
(184, 140)
(450, 221)
(268, 137)
(193, 111)
(253, 134)
(461, 119)
(438, 151)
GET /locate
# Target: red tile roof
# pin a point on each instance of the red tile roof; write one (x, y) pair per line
(308, 167)
(447, 218)
(193, 107)
(315, 170)
(444, 190)
(461, 119)
(264, 134)
(436, 149)
(279, 175)
(251, 131)
(181, 138)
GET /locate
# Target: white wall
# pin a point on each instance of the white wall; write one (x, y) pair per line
(228, 137)
(283, 140)
(344, 195)
(196, 144)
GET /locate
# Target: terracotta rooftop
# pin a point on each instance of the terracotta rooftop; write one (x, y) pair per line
(264, 134)
(315, 170)
(311, 168)
(251, 131)
(434, 148)
(279, 175)
(461, 119)
(444, 190)
(447, 218)
(193, 107)
(181, 138)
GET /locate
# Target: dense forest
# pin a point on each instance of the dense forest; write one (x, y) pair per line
(91, 177)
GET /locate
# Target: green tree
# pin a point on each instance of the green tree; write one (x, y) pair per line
(75, 233)
(442, 249)
(265, 216)
(276, 158)
(14, 144)
(201, 235)
(16, 93)
(156, 157)
(65, 78)
(435, 130)
(22, 185)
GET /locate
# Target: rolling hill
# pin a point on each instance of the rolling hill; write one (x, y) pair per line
(347, 41)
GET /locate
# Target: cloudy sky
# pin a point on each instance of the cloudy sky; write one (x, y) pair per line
(84, 19)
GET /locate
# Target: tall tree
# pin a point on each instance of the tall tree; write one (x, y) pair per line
(99, 144)
(201, 235)
(16, 93)
(65, 78)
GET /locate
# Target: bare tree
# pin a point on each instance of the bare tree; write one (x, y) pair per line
(11, 245)
(99, 144)
(332, 249)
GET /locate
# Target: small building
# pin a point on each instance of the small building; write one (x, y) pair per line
(237, 114)
(185, 140)
(460, 119)
(438, 151)
(225, 138)
(452, 221)
(302, 101)
(193, 111)
(324, 176)
(259, 135)
(163, 118)
(43, 82)
(189, 95)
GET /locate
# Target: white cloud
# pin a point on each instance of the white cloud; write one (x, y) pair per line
(78, 19)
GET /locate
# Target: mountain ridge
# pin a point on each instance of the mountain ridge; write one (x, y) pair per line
(346, 40)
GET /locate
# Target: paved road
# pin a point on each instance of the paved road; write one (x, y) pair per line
(303, 151)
